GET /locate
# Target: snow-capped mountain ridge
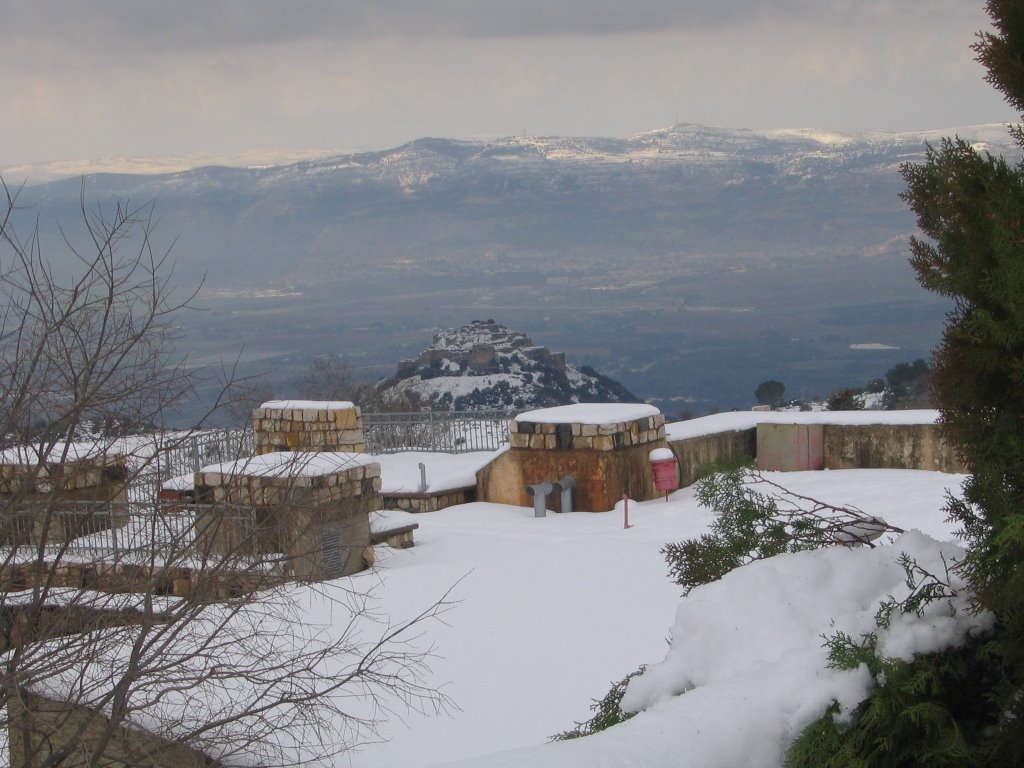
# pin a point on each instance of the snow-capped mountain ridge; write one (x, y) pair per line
(669, 258)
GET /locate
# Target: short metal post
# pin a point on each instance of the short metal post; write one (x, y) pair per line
(625, 511)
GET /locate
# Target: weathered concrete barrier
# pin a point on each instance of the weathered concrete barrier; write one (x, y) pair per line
(889, 446)
(694, 453)
(784, 441)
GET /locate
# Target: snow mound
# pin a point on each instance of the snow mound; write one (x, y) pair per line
(747, 669)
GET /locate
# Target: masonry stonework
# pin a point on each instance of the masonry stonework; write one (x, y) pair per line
(605, 450)
(308, 425)
(54, 502)
(312, 507)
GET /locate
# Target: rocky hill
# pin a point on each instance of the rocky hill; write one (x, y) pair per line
(486, 365)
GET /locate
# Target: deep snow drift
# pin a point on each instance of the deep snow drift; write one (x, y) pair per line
(553, 609)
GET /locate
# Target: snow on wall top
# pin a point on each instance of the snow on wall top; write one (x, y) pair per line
(735, 421)
(292, 463)
(589, 413)
(309, 405)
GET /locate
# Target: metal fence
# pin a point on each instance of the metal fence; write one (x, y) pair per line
(93, 532)
(436, 431)
(183, 454)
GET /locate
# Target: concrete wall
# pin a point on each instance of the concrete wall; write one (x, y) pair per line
(790, 447)
(697, 452)
(889, 446)
(843, 446)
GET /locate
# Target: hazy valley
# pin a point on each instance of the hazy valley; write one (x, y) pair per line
(689, 264)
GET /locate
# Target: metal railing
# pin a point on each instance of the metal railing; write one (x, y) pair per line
(92, 532)
(436, 431)
(182, 454)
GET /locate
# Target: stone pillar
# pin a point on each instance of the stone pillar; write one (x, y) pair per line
(308, 425)
(312, 508)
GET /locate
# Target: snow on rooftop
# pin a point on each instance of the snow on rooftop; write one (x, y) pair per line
(309, 405)
(292, 463)
(400, 472)
(589, 413)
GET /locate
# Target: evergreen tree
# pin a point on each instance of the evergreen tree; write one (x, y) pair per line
(770, 392)
(970, 207)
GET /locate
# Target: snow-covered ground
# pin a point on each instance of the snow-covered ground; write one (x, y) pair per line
(554, 609)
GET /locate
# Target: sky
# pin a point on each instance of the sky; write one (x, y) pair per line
(92, 79)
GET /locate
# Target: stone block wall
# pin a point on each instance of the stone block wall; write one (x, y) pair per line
(311, 507)
(308, 425)
(605, 448)
(585, 437)
(94, 477)
(55, 502)
(36, 723)
(428, 502)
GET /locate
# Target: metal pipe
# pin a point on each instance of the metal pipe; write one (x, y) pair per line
(539, 492)
(565, 486)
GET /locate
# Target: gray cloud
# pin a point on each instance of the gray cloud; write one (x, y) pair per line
(204, 24)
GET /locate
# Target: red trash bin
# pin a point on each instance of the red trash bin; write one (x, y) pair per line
(665, 468)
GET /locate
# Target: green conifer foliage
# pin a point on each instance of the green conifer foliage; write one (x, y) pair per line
(970, 207)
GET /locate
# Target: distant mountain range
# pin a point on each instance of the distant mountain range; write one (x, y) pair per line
(690, 263)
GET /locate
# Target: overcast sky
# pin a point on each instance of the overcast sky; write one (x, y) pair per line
(88, 79)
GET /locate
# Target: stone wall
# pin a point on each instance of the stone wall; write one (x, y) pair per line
(608, 457)
(308, 425)
(36, 722)
(584, 437)
(54, 502)
(428, 502)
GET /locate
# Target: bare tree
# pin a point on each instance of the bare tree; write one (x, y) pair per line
(330, 378)
(139, 634)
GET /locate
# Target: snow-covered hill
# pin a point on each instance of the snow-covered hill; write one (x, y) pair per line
(486, 365)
